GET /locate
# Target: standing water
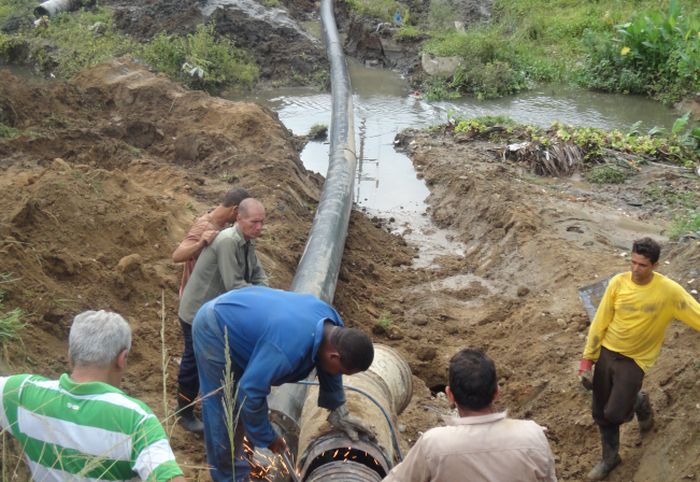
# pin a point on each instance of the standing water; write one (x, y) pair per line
(386, 184)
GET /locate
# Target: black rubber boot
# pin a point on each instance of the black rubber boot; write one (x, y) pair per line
(186, 417)
(610, 439)
(644, 412)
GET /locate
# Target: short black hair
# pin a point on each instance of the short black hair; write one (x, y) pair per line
(355, 348)
(648, 248)
(234, 197)
(472, 378)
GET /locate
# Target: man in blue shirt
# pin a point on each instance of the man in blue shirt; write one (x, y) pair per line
(274, 337)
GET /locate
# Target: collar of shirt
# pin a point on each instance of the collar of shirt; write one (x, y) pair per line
(474, 420)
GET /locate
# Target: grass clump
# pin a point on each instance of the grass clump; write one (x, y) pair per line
(607, 174)
(7, 132)
(383, 10)
(318, 132)
(11, 324)
(686, 224)
(201, 59)
(73, 41)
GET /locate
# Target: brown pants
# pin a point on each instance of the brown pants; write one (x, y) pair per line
(616, 381)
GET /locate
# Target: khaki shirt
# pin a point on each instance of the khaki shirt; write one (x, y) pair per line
(220, 268)
(482, 448)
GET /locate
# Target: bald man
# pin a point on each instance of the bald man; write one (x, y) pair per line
(228, 263)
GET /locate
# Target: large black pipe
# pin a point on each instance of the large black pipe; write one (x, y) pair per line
(319, 266)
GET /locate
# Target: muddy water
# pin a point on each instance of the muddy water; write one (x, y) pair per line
(386, 183)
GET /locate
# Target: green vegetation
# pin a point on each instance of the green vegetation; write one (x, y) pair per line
(15, 8)
(686, 223)
(8, 132)
(69, 43)
(656, 53)
(607, 174)
(380, 9)
(318, 132)
(72, 41)
(10, 321)
(645, 47)
(201, 59)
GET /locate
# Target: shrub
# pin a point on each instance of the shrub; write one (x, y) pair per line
(656, 53)
(200, 59)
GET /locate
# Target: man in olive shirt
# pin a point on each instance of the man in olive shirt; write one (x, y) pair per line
(229, 262)
(624, 341)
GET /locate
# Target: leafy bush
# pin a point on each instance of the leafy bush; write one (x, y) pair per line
(200, 59)
(656, 53)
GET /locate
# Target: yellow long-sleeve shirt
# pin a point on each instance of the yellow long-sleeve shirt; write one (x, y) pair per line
(632, 319)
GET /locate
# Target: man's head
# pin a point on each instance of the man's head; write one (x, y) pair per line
(98, 339)
(345, 351)
(473, 383)
(644, 259)
(233, 199)
(251, 217)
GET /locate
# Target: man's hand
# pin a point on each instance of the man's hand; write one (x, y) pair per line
(278, 446)
(341, 419)
(585, 373)
(208, 236)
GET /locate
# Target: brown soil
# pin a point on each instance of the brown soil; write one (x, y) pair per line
(112, 168)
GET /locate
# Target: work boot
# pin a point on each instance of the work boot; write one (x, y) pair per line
(610, 439)
(644, 412)
(186, 417)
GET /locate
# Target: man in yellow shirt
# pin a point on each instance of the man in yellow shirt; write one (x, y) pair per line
(624, 341)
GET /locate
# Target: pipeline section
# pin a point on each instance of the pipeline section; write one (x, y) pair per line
(51, 8)
(380, 394)
(319, 266)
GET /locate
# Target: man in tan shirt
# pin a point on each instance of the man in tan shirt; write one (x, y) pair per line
(481, 444)
(201, 234)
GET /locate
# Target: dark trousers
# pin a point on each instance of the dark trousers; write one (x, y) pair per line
(616, 381)
(187, 379)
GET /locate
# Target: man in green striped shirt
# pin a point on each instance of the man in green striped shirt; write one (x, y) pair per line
(82, 427)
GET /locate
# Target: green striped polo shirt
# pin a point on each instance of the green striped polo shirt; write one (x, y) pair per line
(84, 431)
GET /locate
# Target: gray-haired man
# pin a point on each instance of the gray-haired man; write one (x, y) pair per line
(82, 427)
